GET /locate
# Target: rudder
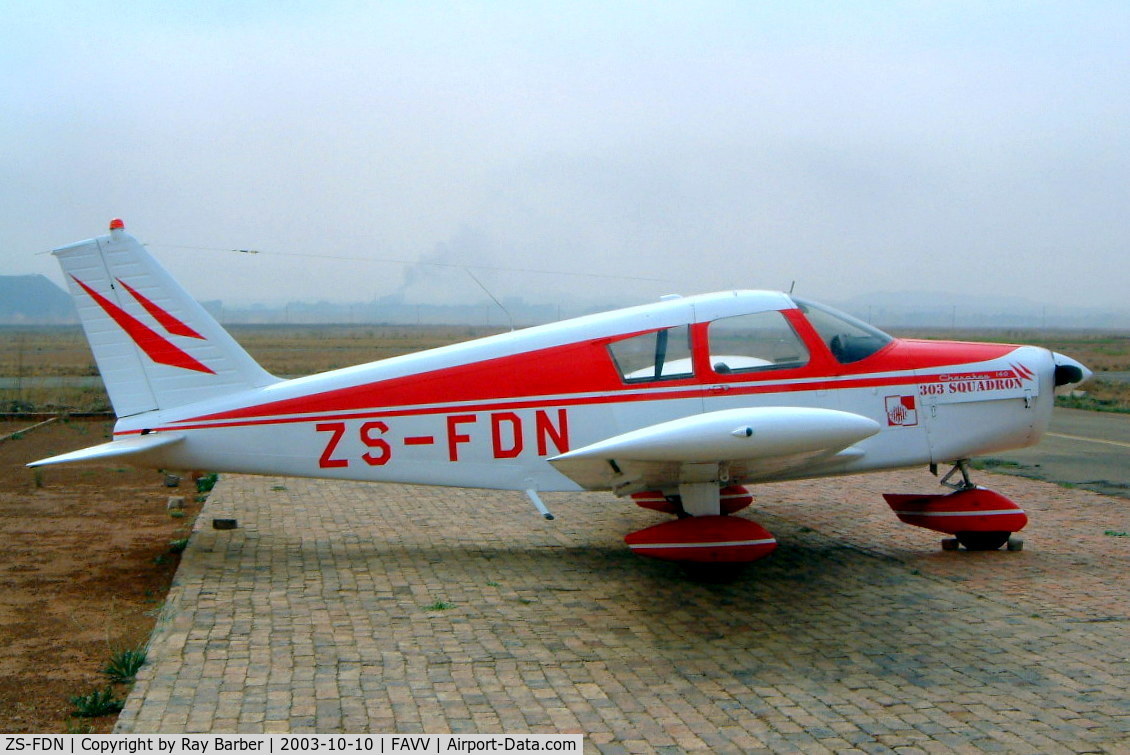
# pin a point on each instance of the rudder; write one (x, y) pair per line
(155, 346)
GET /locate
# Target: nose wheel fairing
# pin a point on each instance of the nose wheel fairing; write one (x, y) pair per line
(980, 519)
(969, 510)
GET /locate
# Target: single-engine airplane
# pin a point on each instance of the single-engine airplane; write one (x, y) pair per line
(677, 405)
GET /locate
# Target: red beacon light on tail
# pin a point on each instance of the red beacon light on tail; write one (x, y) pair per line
(117, 224)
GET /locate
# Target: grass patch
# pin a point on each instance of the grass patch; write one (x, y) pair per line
(439, 605)
(54, 399)
(1094, 403)
(293, 349)
(100, 702)
(983, 464)
(1116, 533)
(205, 483)
(124, 664)
(178, 545)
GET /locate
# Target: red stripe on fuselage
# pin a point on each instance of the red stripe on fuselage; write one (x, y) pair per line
(582, 374)
(560, 370)
(562, 402)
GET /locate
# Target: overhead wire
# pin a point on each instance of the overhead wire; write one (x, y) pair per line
(392, 260)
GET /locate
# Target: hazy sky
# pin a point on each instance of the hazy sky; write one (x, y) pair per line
(853, 147)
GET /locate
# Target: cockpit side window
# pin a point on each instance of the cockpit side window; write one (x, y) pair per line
(659, 355)
(849, 340)
(757, 341)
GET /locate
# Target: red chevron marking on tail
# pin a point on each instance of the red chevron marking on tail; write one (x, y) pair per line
(156, 346)
(170, 323)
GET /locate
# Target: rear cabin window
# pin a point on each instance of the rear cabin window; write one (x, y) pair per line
(754, 342)
(662, 355)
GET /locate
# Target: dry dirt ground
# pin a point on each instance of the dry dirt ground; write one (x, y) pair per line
(84, 563)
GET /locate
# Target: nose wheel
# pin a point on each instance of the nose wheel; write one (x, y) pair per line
(978, 518)
(982, 541)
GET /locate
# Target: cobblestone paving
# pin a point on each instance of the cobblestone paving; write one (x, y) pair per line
(339, 607)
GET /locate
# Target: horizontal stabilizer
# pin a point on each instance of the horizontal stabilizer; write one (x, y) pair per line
(115, 449)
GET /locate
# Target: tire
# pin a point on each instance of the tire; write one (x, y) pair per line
(982, 541)
(713, 573)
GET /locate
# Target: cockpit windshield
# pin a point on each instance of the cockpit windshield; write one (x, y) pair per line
(849, 339)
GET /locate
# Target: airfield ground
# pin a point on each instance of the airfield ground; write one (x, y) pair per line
(343, 607)
(84, 567)
(351, 607)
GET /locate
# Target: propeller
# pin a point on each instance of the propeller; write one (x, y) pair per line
(1068, 371)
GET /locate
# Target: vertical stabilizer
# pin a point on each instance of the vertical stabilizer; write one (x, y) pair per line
(155, 346)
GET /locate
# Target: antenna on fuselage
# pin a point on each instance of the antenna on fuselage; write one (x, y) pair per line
(791, 287)
(488, 293)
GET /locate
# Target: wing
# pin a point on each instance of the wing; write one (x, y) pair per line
(733, 445)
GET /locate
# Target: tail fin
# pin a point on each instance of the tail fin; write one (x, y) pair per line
(155, 346)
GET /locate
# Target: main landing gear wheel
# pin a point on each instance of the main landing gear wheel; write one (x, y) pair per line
(709, 547)
(982, 541)
(716, 573)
